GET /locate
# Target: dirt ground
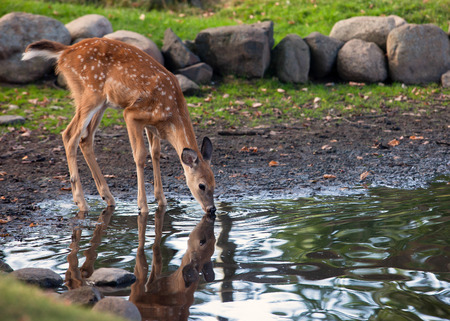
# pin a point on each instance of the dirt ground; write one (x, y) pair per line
(398, 149)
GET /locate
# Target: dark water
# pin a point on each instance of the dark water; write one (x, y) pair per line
(381, 255)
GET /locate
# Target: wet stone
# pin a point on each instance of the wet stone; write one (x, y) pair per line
(85, 295)
(44, 278)
(112, 277)
(119, 307)
(4, 267)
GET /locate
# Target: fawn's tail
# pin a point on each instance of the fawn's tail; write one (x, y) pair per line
(45, 49)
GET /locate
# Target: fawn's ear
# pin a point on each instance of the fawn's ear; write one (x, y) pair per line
(207, 149)
(189, 157)
(208, 272)
(190, 275)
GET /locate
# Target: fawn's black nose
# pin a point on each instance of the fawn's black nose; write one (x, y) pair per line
(211, 210)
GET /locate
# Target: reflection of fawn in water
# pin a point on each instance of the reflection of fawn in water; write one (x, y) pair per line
(75, 276)
(170, 297)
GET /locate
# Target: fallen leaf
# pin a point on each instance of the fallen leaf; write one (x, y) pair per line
(394, 143)
(66, 188)
(329, 176)
(273, 163)
(364, 175)
(415, 137)
(281, 90)
(33, 224)
(3, 173)
(326, 147)
(256, 105)
(110, 176)
(3, 221)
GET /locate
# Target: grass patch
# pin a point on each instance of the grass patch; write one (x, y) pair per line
(235, 101)
(23, 302)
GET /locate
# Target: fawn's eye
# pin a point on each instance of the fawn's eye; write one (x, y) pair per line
(202, 186)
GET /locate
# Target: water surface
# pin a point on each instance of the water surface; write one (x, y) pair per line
(380, 255)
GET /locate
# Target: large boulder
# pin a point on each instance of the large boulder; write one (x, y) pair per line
(323, 50)
(176, 53)
(242, 50)
(418, 53)
(17, 31)
(291, 59)
(370, 29)
(445, 80)
(140, 41)
(363, 61)
(89, 26)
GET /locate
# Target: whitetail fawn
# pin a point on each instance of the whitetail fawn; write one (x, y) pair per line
(102, 72)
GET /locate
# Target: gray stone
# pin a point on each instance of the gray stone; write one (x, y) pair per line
(291, 59)
(370, 29)
(445, 80)
(119, 307)
(112, 277)
(362, 61)
(200, 73)
(242, 50)
(188, 87)
(323, 50)
(45, 278)
(267, 27)
(11, 120)
(85, 295)
(418, 53)
(4, 267)
(140, 41)
(89, 26)
(18, 30)
(176, 54)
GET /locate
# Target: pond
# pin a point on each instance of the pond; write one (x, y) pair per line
(376, 254)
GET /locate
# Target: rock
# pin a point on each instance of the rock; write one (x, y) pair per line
(18, 30)
(361, 61)
(176, 53)
(119, 307)
(242, 50)
(4, 267)
(112, 277)
(140, 41)
(188, 87)
(45, 278)
(370, 29)
(323, 50)
(85, 295)
(291, 59)
(200, 73)
(11, 120)
(445, 80)
(89, 26)
(418, 53)
(267, 27)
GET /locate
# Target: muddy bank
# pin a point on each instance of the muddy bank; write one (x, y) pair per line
(315, 157)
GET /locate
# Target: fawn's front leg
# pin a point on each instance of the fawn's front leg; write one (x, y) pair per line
(155, 151)
(135, 130)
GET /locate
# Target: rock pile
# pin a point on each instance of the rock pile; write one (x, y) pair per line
(362, 49)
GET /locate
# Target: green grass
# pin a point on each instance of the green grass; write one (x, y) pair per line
(232, 99)
(23, 302)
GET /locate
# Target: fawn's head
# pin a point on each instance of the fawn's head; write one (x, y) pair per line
(199, 176)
